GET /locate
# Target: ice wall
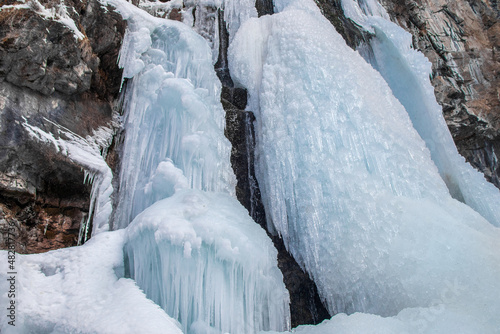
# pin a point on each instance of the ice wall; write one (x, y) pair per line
(208, 264)
(407, 73)
(349, 183)
(172, 114)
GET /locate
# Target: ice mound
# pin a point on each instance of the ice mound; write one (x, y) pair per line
(206, 262)
(77, 290)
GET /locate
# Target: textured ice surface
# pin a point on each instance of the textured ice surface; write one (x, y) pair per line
(350, 185)
(76, 290)
(407, 73)
(172, 114)
(206, 262)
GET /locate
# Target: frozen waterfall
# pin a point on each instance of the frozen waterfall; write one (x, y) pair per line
(351, 186)
(358, 175)
(192, 247)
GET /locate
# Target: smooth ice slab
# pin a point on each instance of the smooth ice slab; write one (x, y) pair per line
(208, 264)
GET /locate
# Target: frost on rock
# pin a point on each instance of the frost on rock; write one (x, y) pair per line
(88, 153)
(76, 290)
(350, 185)
(208, 264)
(407, 72)
(172, 113)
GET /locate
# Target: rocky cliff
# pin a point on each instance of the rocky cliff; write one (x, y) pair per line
(58, 76)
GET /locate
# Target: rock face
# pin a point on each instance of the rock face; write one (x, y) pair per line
(462, 40)
(58, 73)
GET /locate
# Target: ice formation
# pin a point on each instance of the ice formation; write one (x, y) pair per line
(172, 113)
(352, 180)
(202, 258)
(192, 247)
(407, 73)
(350, 184)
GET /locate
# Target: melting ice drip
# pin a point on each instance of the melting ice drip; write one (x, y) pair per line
(351, 186)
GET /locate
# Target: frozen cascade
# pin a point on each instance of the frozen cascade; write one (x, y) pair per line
(407, 73)
(350, 185)
(173, 113)
(192, 247)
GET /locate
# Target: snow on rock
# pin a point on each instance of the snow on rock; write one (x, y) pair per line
(208, 264)
(86, 153)
(350, 185)
(76, 290)
(57, 13)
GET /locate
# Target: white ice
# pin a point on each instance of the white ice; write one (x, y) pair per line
(350, 184)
